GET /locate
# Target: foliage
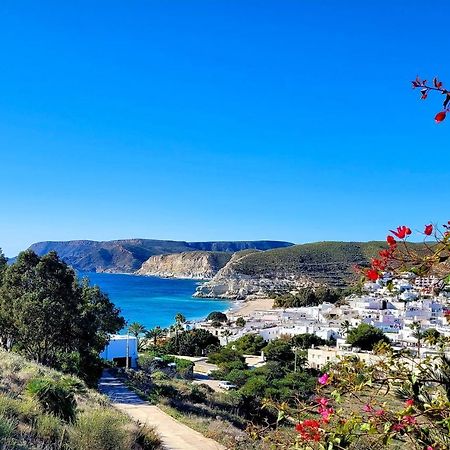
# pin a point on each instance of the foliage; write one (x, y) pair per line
(249, 344)
(28, 392)
(225, 355)
(217, 316)
(307, 340)
(365, 336)
(47, 315)
(240, 322)
(195, 342)
(279, 350)
(307, 297)
(102, 429)
(56, 396)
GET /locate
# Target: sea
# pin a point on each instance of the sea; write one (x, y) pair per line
(154, 301)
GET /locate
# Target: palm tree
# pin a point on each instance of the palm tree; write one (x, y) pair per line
(136, 329)
(154, 334)
(227, 334)
(417, 334)
(179, 320)
(345, 327)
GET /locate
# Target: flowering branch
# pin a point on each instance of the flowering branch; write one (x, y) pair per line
(437, 86)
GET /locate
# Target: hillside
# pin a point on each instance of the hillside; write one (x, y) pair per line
(320, 263)
(42, 409)
(128, 255)
(199, 265)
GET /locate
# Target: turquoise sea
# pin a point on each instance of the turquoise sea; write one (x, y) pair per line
(154, 301)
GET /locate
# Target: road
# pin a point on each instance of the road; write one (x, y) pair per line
(174, 435)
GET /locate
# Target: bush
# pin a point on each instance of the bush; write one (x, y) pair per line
(7, 428)
(148, 439)
(217, 316)
(249, 344)
(365, 336)
(48, 427)
(240, 322)
(192, 343)
(55, 396)
(100, 429)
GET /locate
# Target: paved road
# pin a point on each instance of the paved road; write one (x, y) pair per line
(174, 435)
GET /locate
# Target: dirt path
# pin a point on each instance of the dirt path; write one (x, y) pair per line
(174, 435)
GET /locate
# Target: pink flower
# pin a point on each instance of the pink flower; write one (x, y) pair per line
(398, 427)
(379, 412)
(323, 379)
(409, 403)
(430, 447)
(322, 401)
(326, 413)
(367, 408)
(410, 420)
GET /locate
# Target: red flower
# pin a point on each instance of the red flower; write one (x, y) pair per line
(440, 116)
(391, 241)
(409, 403)
(372, 275)
(401, 232)
(378, 264)
(428, 229)
(309, 430)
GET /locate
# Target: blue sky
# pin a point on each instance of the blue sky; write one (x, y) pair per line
(217, 120)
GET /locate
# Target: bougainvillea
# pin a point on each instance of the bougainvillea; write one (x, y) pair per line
(397, 400)
(436, 86)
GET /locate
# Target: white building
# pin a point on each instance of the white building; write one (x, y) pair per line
(118, 348)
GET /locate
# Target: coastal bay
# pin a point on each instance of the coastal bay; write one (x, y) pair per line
(154, 301)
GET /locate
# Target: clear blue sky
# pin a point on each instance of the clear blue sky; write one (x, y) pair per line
(217, 120)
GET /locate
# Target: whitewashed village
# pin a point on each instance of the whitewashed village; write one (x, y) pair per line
(398, 307)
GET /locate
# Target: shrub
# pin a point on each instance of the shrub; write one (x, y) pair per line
(240, 322)
(55, 396)
(217, 316)
(48, 427)
(365, 336)
(249, 344)
(148, 438)
(7, 428)
(100, 429)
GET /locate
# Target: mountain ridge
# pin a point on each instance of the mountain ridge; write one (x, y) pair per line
(128, 255)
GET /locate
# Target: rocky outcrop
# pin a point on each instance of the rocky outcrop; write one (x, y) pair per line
(288, 269)
(199, 265)
(230, 283)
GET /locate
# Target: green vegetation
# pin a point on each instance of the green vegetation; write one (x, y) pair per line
(47, 315)
(217, 316)
(240, 322)
(249, 344)
(196, 342)
(42, 409)
(365, 336)
(307, 297)
(325, 262)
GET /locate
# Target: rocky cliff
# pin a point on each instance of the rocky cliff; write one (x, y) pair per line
(280, 270)
(199, 265)
(128, 255)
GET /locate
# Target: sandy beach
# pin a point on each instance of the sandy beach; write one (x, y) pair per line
(248, 307)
